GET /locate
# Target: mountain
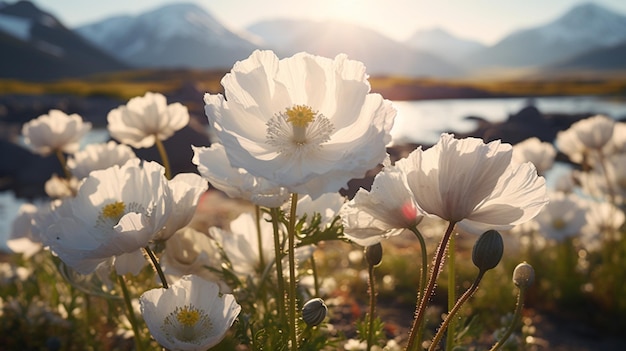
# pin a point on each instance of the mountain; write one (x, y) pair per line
(610, 58)
(585, 27)
(36, 46)
(441, 43)
(176, 35)
(381, 55)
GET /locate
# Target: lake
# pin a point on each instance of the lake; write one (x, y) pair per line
(423, 121)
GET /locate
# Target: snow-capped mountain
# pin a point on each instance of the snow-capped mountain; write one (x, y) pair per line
(176, 35)
(583, 28)
(381, 54)
(444, 44)
(35, 45)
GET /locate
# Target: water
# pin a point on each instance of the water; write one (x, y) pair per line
(424, 121)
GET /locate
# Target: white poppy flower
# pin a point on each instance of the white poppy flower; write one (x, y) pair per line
(585, 136)
(327, 205)
(533, 150)
(145, 118)
(186, 191)
(116, 212)
(306, 123)
(58, 188)
(603, 220)
(213, 165)
(609, 181)
(563, 217)
(54, 132)
(475, 185)
(189, 251)
(241, 243)
(384, 211)
(191, 315)
(98, 156)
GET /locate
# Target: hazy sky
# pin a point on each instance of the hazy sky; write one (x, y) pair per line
(483, 20)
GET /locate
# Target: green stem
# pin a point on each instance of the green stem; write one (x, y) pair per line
(257, 213)
(292, 272)
(423, 274)
(516, 317)
(370, 316)
(451, 293)
(131, 313)
(316, 282)
(454, 310)
(63, 162)
(164, 158)
(278, 255)
(434, 274)
(156, 266)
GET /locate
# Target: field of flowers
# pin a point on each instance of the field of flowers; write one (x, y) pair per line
(453, 247)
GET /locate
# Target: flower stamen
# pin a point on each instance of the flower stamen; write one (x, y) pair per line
(114, 210)
(188, 324)
(298, 130)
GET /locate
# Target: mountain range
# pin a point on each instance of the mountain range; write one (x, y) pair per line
(184, 35)
(36, 46)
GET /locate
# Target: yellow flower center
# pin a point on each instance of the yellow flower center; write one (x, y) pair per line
(300, 115)
(558, 223)
(187, 323)
(298, 130)
(114, 210)
(188, 317)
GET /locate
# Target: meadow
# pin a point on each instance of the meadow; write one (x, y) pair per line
(573, 235)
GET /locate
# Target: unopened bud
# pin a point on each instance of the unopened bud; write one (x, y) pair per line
(523, 275)
(374, 254)
(487, 251)
(314, 311)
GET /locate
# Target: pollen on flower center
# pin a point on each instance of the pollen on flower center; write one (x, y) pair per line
(114, 210)
(298, 130)
(188, 317)
(300, 115)
(558, 223)
(187, 323)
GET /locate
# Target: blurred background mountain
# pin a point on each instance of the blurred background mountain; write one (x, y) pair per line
(35, 45)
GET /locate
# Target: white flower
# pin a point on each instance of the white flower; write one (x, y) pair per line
(617, 144)
(533, 150)
(145, 118)
(116, 212)
(191, 252)
(191, 315)
(563, 217)
(306, 123)
(603, 221)
(241, 243)
(327, 205)
(609, 181)
(54, 132)
(98, 156)
(384, 211)
(236, 182)
(186, 191)
(475, 184)
(58, 188)
(355, 345)
(584, 136)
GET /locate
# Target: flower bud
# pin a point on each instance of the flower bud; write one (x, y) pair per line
(523, 275)
(374, 254)
(314, 311)
(487, 251)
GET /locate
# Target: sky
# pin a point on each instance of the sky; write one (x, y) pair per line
(484, 20)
